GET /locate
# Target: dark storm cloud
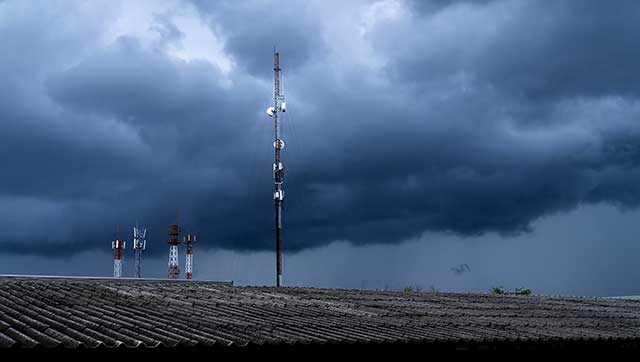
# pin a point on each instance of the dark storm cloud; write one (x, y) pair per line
(464, 117)
(526, 49)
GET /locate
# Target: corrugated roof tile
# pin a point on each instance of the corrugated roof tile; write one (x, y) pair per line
(70, 312)
(5, 341)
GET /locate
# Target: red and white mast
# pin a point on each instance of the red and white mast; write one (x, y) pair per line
(188, 265)
(117, 245)
(174, 241)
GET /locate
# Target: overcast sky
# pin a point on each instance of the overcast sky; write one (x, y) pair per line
(457, 145)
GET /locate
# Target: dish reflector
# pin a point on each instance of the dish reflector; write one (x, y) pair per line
(279, 144)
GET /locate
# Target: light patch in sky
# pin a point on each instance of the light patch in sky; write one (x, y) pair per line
(382, 11)
(197, 41)
(347, 32)
(200, 42)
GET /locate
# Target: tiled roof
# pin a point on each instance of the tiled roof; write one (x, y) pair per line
(78, 313)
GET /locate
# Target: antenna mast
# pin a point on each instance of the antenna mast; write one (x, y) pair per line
(139, 244)
(117, 245)
(174, 241)
(188, 264)
(279, 105)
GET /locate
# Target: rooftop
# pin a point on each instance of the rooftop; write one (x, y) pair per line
(107, 313)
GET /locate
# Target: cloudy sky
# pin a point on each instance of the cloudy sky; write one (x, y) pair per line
(455, 145)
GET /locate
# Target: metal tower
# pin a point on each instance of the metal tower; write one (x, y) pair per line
(174, 241)
(188, 265)
(279, 105)
(117, 245)
(139, 244)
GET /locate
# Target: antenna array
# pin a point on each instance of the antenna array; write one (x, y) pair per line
(139, 245)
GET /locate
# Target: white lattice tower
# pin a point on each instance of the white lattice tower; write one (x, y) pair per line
(174, 241)
(188, 265)
(139, 245)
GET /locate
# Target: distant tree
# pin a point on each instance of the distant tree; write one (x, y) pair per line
(411, 289)
(522, 291)
(519, 291)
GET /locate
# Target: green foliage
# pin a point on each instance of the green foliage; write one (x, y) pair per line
(522, 291)
(519, 291)
(411, 289)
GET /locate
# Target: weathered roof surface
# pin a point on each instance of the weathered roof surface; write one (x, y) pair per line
(78, 313)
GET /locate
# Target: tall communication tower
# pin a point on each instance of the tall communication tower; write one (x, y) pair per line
(139, 244)
(188, 265)
(117, 245)
(174, 241)
(279, 105)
